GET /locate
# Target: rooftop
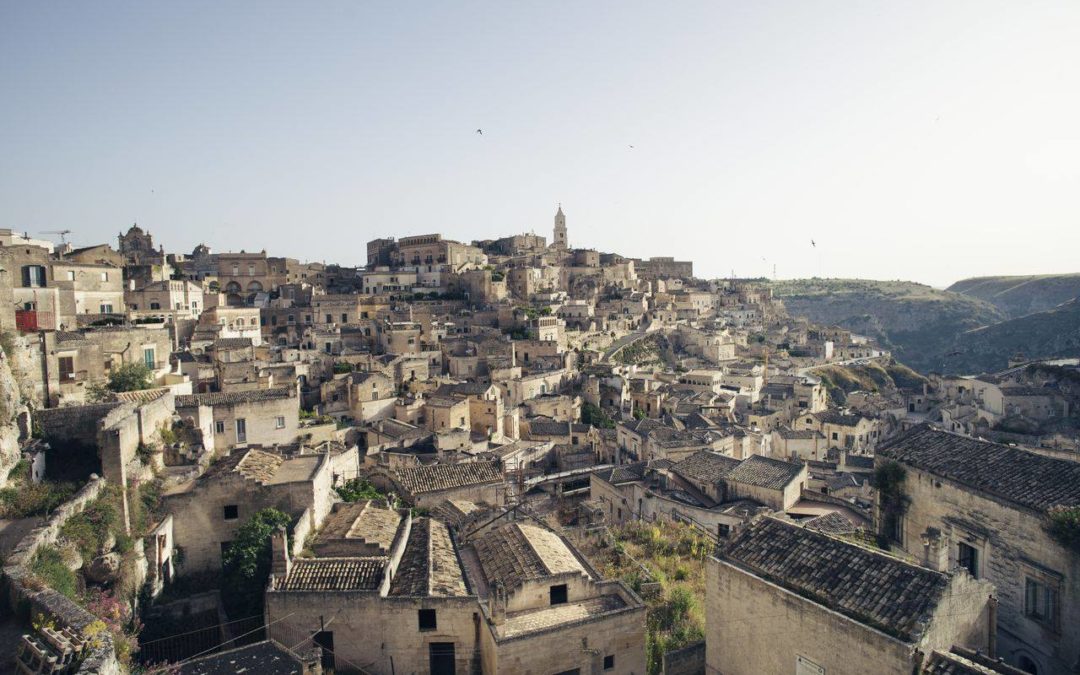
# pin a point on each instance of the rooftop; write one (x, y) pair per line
(423, 479)
(334, 574)
(705, 466)
(765, 472)
(871, 587)
(429, 565)
(533, 620)
(233, 397)
(518, 552)
(1027, 479)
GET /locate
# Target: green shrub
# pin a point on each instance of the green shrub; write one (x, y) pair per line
(48, 566)
(356, 489)
(89, 530)
(26, 499)
(246, 563)
(1064, 526)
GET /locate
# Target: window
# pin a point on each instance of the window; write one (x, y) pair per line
(34, 275)
(106, 308)
(968, 558)
(344, 318)
(231, 512)
(609, 662)
(1040, 602)
(279, 422)
(219, 427)
(155, 305)
(427, 619)
(104, 276)
(71, 275)
(148, 357)
(241, 430)
(558, 594)
(329, 318)
(67, 368)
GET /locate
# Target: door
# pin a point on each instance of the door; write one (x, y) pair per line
(241, 430)
(325, 640)
(441, 658)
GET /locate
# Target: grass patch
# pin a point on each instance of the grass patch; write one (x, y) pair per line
(89, 530)
(48, 566)
(24, 499)
(673, 555)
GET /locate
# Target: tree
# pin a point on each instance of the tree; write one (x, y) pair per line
(246, 563)
(130, 377)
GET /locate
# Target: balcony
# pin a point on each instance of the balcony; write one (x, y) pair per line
(31, 321)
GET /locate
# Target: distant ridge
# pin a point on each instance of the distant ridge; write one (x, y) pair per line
(1022, 295)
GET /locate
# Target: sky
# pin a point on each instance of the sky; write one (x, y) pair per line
(929, 141)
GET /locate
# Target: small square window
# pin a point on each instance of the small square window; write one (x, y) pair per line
(609, 662)
(219, 427)
(427, 619)
(231, 512)
(279, 422)
(558, 594)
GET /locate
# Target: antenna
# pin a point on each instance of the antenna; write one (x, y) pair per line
(63, 234)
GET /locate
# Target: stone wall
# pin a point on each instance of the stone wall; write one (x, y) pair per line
(101, 658)
(686, 661)
(1012, 547)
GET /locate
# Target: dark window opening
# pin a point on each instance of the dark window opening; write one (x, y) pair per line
(558, 594)
(441, 658)
(427, 619)
(609, 662)
(968, 558)
(231, 512)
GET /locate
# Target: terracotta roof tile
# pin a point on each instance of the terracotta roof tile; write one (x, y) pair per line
(334, 574)
(424, 479)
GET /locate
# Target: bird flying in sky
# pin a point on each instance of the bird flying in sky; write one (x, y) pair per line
(813, 243)
(480, 131)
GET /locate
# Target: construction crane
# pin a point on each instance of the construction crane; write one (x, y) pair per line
(63, 234)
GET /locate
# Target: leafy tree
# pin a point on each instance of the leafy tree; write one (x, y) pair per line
(356, 489)
(246, 563)
(591, 414)
(130, 377)
(1064, 525)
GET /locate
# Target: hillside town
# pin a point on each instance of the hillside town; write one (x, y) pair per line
(508, 456)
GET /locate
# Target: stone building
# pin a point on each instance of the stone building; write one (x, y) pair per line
(782, 599)
(241, 418)
(427, 486)
(545, 609)
(984, 507)
(207, 511)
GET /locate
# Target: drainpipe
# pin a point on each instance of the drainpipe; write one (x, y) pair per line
(991, 638)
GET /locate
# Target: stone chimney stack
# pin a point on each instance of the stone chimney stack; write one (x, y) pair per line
(497, 604)
(936, 550)
(279, 546)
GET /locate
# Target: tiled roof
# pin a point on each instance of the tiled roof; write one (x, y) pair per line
(520, 552)
(334, 574)
(765, 472)
(266, 658)
(423, 479)
(1028, 391)
(705, 466)
(259, 466)
(831, 523)
(837, 417)
(429, 565)
(1024, 478)
(141, 396)
(964, 662)
(232, 343)
(539, 428)
(627, 473)
(232, 397)
(870, 587)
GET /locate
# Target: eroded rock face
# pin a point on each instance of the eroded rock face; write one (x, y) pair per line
(11, 407)
(104, 568)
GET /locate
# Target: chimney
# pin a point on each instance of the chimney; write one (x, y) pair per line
(279, 545)
(936, 550)
(497, 604)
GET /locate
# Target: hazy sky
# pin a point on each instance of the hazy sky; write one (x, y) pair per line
(927, 141)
